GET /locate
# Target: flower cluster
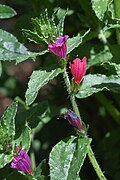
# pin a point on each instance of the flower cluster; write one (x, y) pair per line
(77, 67)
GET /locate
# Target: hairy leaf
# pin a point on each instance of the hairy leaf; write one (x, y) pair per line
(24, 140)
(33, 117)
(37, 80)
(93, 83)
(60, 27)
(45, 28)
(113, 67)
(99, 58)
(5, 159)
(34, 36)
(74, 42)
(41, 173)
(100, 7)
(11, 49)
(111, 26)
(7, 133)
(67, 157)
(8, 120)
(6, 12)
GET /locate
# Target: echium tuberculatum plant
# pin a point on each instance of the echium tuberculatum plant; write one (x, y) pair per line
(17, 129)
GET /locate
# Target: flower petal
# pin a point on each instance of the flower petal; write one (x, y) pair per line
(22, 162)
(59, 48)
(78, 69)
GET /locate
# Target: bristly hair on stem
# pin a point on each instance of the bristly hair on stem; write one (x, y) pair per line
(76, 110)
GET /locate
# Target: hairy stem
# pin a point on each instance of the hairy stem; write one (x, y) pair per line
(76, 110)
(71, 95)
(95, 164)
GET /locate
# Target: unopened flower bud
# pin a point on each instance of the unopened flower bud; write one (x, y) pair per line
(74, 120)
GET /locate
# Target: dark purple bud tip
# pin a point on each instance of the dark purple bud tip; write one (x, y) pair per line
(74, 120)
(22, 162)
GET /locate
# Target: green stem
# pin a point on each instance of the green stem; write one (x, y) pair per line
(32, 157)
(72, 97)
(95, 164)
(76, 110)
(32, 154)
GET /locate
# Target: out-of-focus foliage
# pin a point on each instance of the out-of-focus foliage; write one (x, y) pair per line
(6, 12)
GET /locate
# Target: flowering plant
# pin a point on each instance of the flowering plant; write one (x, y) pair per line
(71, 93)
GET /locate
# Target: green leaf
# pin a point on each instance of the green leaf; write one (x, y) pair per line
(11, 49)
(37, 80)
(67, 157)
(47, 25)
(100, 58)
(7, 133)
(113, 12)
(41, 172)
(115, 50)
(34, 36)
(33, 117)
(29, 54)
(24, 140)
(117, 68)
(6, 12)
(45, 28)
(100, 7)
(113, 67)
(111, 26)
(5, 159)
(74, 42)
(113, 9)
(82, 146)
(93, 83)
(8, 120)
(61, 13)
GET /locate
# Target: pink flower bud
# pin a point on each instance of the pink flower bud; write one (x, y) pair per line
(59, 48)
(22, 162)
(78, 69)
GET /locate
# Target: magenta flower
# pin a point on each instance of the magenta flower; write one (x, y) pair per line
(22, 162)
(59, 48)
(74, 120)
(78, 69)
